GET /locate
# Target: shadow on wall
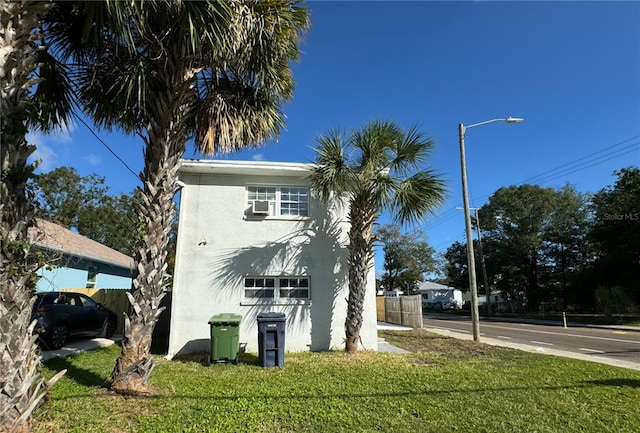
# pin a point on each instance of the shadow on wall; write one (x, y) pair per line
(311, 249)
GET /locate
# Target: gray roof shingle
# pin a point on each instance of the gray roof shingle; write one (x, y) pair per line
(55, 237)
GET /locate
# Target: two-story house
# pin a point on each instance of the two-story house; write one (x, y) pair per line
(253, 238)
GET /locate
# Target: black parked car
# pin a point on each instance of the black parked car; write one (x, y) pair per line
(61, 315)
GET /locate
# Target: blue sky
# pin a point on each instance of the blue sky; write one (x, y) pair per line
(570, 69)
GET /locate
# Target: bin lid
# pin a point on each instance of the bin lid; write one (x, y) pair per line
(271, 316)
(225, 318)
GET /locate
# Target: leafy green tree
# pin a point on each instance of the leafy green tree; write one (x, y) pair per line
(565, 249)
(378, 167)
(216, 72)
(407, 257)
(83, 203)
(515, 220)
(456, 268)
(615, 235)
(534, 241)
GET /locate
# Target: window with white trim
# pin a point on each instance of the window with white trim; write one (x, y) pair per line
(278, 201)
(92, 274)
(274, 288)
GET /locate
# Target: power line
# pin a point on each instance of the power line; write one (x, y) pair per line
(109, 148)
(590, 163)
(571, 168)
(580, 159)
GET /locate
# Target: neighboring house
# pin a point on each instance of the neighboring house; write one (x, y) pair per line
(76, 262)
(252, 238)
(439, 296)
(498, 299)
(392, 293)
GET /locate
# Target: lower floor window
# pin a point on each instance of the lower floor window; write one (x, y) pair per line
(276, 288)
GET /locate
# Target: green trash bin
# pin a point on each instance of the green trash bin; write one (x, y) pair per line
(225, 337)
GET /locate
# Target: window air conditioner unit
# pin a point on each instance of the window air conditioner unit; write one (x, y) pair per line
(261, 207)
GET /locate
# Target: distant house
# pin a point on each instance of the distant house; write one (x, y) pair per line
(253, 238)
(498, 299)
(392, 293)
(438, 296)
(76, 262)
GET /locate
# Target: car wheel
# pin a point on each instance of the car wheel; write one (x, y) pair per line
(58, 336)
(109, 327)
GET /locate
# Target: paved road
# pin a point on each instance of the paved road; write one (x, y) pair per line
(615, 346)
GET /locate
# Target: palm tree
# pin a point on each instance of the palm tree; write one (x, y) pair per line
(377, 168)
(33, 93)
(213, 72)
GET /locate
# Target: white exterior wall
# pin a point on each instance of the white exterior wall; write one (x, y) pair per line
(218, 245)
(442, 295)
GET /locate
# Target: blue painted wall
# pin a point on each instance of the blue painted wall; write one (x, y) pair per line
(72, 272)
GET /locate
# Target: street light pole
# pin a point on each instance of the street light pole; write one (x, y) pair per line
(467, 222)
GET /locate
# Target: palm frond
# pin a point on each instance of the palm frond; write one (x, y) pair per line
(51, 105)
(411, 151)
(417, 196)
(332, 172)
(234, 116)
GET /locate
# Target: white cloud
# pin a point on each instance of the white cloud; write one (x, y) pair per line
(258, 157)
(44, 152)
(93, 159)
(63, 135)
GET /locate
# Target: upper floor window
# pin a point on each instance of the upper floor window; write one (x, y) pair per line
(278, 200)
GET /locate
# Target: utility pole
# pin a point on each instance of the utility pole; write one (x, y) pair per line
(471, 265)
(487, 288)
(485, 281)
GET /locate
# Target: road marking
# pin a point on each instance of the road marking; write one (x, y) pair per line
(541, 342)
(565, 334)
(591, 350)
(619, 332)
(502, 336)
(451, 329)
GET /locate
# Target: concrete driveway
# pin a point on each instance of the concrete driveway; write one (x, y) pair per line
(77, 346)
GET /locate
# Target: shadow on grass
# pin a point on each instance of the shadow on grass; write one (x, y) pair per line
(355, 395)
(79, 375)
(632, 383)
(203, 358)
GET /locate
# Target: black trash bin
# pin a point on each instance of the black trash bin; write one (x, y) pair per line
(271, 339)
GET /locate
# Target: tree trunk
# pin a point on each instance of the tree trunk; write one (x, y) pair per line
(361, 217)
(164, 147)
(21, 385)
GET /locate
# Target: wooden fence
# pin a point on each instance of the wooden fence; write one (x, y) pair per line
(380, 309)
(404, 310)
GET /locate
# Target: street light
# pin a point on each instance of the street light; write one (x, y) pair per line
(467, 221)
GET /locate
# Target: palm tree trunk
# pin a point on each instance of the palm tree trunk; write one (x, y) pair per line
(164, 147)
(361, 217)
(21, 385)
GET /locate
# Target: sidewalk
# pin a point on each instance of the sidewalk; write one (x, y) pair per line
(383, 346)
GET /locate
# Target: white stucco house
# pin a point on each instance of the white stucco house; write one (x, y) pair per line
(252, 238)
(439, 296)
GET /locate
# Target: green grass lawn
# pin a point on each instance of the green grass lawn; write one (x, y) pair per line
(443, 385)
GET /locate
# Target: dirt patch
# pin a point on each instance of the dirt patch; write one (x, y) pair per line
(419, 340)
